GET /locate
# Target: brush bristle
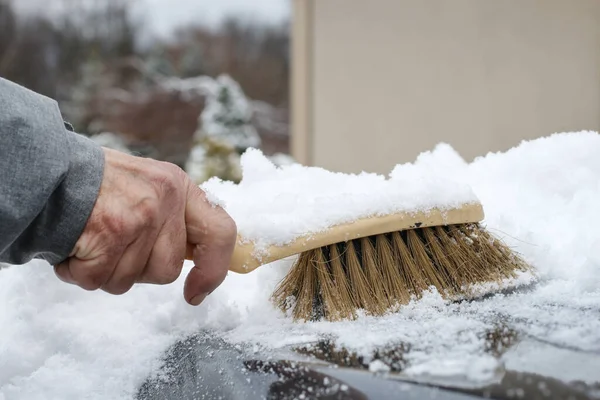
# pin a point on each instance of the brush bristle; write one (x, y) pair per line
(381, 273)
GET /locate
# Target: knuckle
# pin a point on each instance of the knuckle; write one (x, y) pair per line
(169, 276)
(92, 276)
(120, 283)
(168, 179)
(118, 288)
(114, 223)
(91, 281)
(148, 211)
(170, 271)
(228, 229)
(165, 264)
(173, 169)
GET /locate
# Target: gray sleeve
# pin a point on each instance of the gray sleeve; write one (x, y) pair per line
(49, 178)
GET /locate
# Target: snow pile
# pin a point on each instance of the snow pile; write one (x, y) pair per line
(57, 341)
(274, 205)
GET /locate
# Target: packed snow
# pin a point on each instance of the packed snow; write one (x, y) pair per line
(274, 205)
(541, 197)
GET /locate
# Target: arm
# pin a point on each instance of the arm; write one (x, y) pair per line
(49, 178)
(105, 220)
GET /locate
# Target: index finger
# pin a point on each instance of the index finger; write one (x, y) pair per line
(212, 234)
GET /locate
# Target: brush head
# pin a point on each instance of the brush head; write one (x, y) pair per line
(362, 241)
(282, 211)
(248, 256)
(382, 272)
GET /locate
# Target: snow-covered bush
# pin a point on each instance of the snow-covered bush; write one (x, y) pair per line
(227, 117)
(225, 131)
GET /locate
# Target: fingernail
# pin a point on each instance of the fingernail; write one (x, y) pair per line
(198, 299)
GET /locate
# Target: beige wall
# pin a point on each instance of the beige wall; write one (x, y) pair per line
(376, 82)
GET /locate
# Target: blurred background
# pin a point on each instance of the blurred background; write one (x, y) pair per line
(349, 85)
(190, 82)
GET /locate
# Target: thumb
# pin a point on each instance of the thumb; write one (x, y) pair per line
(212, 234)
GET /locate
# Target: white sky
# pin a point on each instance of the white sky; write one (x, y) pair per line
(161, 16)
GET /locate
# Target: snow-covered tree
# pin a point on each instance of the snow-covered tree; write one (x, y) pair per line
(225, 131)
(227, 116)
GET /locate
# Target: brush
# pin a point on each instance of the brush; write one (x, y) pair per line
(377, 264)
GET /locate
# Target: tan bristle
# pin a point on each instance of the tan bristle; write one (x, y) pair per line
(485, 260)
(469, 254)
(296, 291)
(340, 278)
(379, 300)
(423, 261)
(459, 257)
(394, 284)
(447, 271)
(329, 295)
(505, 263)
(489, 256)
(377, 274)
(287, 292)
(307, 297)
(411, 275)
(363, 294)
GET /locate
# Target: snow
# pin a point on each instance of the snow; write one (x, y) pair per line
(57, 341)
(378, 366)
(282, 203)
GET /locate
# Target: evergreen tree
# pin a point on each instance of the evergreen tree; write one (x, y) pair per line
(225, 132)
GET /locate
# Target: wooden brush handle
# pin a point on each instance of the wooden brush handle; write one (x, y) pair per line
(245, 259)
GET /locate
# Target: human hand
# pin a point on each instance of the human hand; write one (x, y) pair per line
(146, 215)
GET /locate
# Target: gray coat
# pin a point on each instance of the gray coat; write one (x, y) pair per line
(49, 178)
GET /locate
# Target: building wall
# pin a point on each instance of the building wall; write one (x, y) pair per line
(377, 82)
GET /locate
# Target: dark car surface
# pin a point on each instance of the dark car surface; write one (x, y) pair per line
(205, 367)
